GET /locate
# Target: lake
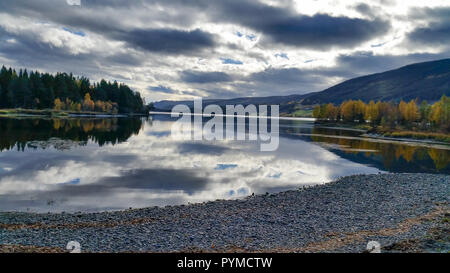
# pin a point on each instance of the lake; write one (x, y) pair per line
(89, 164)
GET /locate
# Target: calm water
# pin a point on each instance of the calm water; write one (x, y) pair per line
(117, 163)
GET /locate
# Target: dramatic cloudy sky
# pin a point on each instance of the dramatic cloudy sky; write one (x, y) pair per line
(180, 49)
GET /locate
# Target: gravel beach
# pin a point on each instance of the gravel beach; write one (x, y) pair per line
(403, 212)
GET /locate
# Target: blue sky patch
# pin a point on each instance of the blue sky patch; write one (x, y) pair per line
(275, 176)
(230, 61)
(75, 181)
(225, 166)
(79, 33)
(251, 37)
(282, 55)
(378, 45)
(242, 191)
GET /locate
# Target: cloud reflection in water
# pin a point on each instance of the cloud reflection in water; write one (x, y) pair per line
(150, 168)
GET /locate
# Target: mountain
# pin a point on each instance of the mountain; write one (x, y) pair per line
(168, 104)
(425, 81)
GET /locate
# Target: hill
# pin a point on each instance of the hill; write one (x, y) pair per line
(425, 81)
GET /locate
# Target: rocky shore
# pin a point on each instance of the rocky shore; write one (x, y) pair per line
(403, 212)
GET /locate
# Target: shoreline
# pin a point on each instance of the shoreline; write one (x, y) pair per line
(403, 139)
(376, 135)
(340, 216)
(46, 113)
(236, 116)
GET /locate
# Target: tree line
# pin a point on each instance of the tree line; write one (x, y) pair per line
(411, 115)
(63, 91)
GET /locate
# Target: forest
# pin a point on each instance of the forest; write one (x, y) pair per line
(390, 115)
(65, 92)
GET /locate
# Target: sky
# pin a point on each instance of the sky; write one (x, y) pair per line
(181, 49)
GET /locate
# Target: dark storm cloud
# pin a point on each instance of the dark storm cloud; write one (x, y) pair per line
(279, 76)
(283, 26)
(168, 40)
(278, 24)
(309, 78)
(434, 14)
(323, 31)
(163, 89)
(124, 59)
(58, 11)
(191, 76)
(360, 63)
(27, 50)
(436, 32)
(107, 23)
(365, 9)
(30, 52)
(27, 43)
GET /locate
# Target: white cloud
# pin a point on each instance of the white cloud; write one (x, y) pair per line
(74, 2)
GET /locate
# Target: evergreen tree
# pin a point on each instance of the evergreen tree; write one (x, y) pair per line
(19, 94)
(36, 90)
(62, 91)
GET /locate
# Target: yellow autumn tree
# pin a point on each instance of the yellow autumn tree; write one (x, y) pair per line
(440, 113)
(88, 103)
(402, 108)
(372, 112)
(58, 104)
(331, 111)
(348, 110)
(360, 110)
(100, 106)
(412, 112)
(316, 111)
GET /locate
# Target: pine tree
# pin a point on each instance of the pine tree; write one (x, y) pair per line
(35, 90)
(19, 94)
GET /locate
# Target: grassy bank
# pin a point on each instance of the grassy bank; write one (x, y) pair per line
(417, 135)
(298, 113)
(389, 132)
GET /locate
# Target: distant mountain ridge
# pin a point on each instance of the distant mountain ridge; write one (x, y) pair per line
(168, 104)
(425, 81)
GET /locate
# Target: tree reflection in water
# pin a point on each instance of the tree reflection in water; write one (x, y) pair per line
(24, 133)
(394, 156)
